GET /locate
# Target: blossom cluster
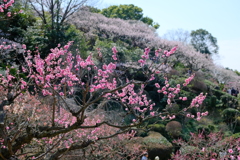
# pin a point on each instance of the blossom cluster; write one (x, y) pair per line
(6, 4)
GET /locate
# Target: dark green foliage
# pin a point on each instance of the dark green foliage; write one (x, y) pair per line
(204, 42)
(218, 93)
(230, 114)
(159, 99)
(150, 22)
(13, 71)
(61, 35)
(228, 101)
(206, 129)
(213, 101)
(13, 28)
(199, 86)
(44, 39)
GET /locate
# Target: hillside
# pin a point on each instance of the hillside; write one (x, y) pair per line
(107, 88)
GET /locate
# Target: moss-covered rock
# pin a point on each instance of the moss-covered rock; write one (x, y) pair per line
(157, 145)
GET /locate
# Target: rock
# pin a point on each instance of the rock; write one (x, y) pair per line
(157, 145)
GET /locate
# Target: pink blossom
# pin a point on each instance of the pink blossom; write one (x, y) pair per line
(114, 49)
(157, 85)
(164, 88)
(141, 61)
(24, 46)
(230, 150)
(114, 57)
(9, 14)
(152, 113)
(66, 47)
(152, 77)
(172, 117)
(198, 118)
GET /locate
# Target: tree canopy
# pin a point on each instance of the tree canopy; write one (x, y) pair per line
(204, 42)
(128, 12)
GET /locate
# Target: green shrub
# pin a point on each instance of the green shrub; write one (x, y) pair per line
(157, 127)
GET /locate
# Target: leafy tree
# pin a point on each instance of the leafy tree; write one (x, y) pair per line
(204, 42)
(53, 14)
(128, 12)
(93, 9)
(13, 26)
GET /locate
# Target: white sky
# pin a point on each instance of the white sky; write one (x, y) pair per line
(219, 17)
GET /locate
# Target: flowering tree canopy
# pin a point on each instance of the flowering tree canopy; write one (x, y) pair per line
(64, 125)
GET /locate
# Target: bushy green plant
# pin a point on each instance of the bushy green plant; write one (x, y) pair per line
(157, 127)
(230, 114)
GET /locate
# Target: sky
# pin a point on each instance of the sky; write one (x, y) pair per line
(219, 17)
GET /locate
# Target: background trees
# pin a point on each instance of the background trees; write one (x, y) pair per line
(128, 12)
(180, 35)
(53, 14)
(204, 42)
(13, 27)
